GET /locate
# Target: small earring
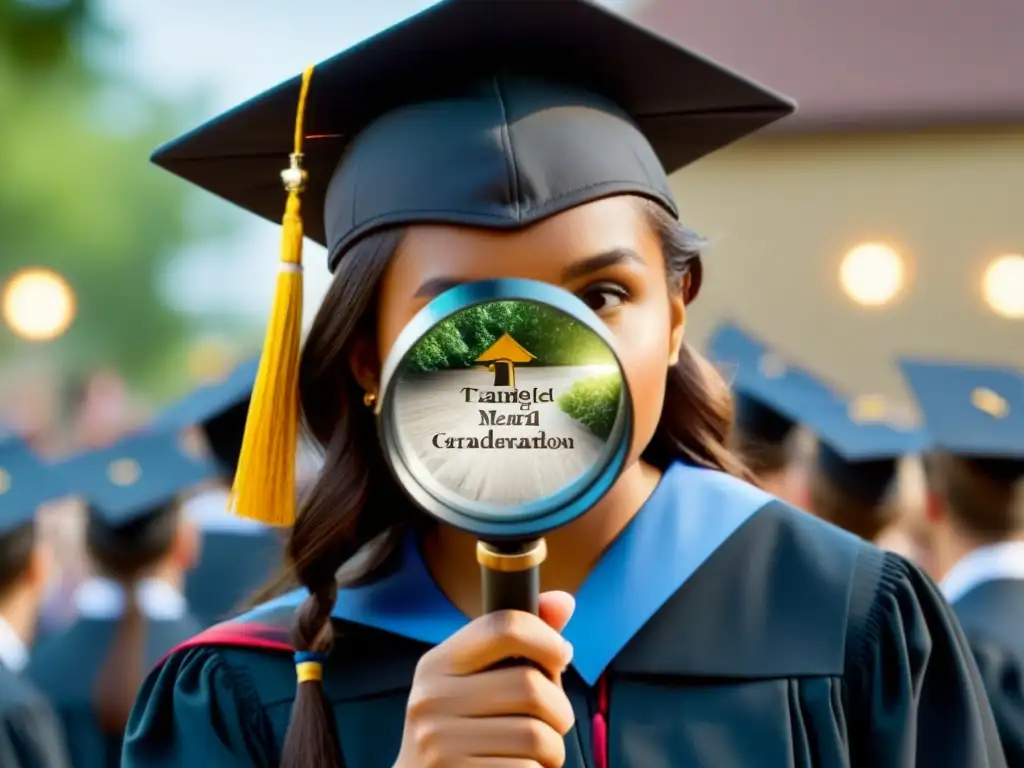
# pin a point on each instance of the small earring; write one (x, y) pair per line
(369, 399)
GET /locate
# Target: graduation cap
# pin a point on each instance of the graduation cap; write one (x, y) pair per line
(860, 439)
(135, 477)
(490, 114)
(766, 389)
(220, 409)
(26, 483)
(972, 411)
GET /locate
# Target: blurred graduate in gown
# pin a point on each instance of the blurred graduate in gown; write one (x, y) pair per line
(239, 556)
(974, 519)
(132, 611)
(764, 432)
(849, 476)
(30, 733)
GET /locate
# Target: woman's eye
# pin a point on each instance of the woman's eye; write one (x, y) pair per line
(603, 297)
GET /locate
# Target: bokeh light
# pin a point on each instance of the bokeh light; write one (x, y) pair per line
(38, 304)
(872, 274)
(1003, 286)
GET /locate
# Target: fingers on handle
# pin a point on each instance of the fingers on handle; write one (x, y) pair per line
(496, 738)
(521, 691)
(556, 608)
(505, 635)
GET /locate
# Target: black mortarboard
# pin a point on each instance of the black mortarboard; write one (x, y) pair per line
(972, 411)
(220, 410)
(492, 114)
(137, 476)
(26, 483)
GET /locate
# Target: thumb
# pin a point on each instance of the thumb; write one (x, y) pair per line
(556, 609)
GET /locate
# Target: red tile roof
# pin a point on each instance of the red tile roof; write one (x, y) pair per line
(864, 64)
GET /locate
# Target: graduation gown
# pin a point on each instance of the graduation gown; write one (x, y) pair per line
(64, 669)
(233, 566)
(992, 616)
(722, 628)
(30, 734)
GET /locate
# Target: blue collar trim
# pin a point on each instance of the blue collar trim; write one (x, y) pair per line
(691, 513)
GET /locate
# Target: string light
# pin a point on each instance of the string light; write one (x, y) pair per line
(872, 274)
(38, 304)
(1003, 286)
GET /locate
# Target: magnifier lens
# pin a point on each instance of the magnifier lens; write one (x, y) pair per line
(505, 409)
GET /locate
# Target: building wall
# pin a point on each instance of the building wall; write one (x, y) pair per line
(782, 211)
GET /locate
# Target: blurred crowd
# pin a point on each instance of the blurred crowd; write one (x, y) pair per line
(58, 418)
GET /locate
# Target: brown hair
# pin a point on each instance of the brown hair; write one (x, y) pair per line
(858, 516)
(355, 500)
(762, 457)
(125, 553)
(984, 498)
(16, 549)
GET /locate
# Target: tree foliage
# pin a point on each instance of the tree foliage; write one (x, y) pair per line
(77, 193)
(553, 337)
(40, 35)
(594, 402)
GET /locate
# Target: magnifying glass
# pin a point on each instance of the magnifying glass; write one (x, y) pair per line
(503, 411)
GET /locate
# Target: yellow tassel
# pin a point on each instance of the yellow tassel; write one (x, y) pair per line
(264, 487)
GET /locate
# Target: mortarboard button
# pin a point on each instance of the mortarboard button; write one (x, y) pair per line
(868, 409)
(772, 366)
(124, 472)
(991, 402)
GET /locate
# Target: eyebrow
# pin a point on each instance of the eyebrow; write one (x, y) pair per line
(596, 263)
(438, 285)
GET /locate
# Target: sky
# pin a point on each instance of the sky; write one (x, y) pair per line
(190, 45)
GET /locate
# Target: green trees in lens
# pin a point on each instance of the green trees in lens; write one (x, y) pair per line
(594, 402)
(552, 337)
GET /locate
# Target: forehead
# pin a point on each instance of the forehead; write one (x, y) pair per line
(539, 252)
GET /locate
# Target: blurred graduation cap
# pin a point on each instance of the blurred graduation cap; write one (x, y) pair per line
(220, 409)
(860, 440)
(766, 389)
(26, 483)
(491, 114)
(136, 477)
(972, 411)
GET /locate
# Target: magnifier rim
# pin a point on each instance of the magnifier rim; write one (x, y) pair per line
(484, 518)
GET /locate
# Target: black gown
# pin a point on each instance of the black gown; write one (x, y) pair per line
(992, 615)
(64, 669)
(722, 629)
(30, 734)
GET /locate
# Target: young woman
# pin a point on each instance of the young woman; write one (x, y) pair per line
(690, 618)
(132, 611)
